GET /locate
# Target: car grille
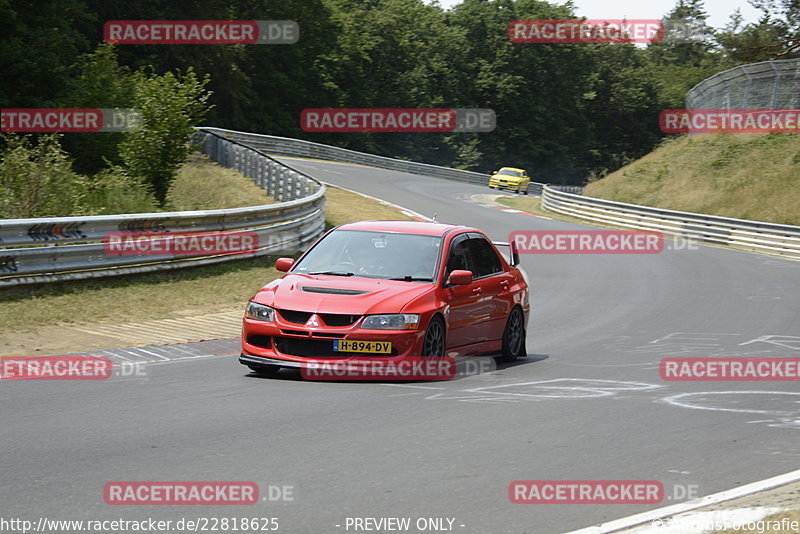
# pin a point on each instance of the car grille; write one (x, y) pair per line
(313, 348)
(330, 319)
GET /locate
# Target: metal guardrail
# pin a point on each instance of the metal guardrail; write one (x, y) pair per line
(763, 85)
(780, 239)
(67, 248)
(307, 149)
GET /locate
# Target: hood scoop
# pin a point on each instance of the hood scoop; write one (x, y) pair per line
(333, 290)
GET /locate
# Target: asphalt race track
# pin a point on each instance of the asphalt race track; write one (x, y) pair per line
(587, 403)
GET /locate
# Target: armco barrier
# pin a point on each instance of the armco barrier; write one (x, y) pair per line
(65, 248)
(756, 236)
(297, 147)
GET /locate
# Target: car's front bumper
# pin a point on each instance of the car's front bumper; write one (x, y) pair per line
(513, 186)
(291, 345)
(249, 359)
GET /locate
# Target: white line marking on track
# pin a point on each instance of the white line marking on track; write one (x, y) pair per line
(154, 354)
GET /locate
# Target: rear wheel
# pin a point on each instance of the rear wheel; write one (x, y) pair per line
(269, 371)
(433, 345)
(513, 337)
(525, 192)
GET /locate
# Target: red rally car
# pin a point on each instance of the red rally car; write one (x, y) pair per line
(389, 290)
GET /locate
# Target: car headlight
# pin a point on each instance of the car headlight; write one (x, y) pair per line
(259, 312)
(394, 321)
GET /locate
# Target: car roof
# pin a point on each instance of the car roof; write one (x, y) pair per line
(513, 169)
(405, 227)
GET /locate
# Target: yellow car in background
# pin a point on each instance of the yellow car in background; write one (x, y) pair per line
(511, 178)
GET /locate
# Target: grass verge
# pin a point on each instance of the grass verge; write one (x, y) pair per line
(204, 185)
(534, 205)
(745, 176)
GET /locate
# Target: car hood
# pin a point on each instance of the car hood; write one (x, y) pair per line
(507, 178)
(337, 294)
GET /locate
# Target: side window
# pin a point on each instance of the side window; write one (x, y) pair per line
(458, 258)
(484, 259)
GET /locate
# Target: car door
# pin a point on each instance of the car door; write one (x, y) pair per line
(464, 301)
(492, 286)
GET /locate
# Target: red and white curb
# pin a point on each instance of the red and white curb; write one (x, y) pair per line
(491, 204)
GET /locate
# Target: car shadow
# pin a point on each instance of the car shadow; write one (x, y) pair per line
(465, 367)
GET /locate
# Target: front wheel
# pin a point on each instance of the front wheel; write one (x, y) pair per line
(433, 346)
(513, 338)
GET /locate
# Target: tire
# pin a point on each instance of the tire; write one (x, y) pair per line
(434, 343)
(268, 371)
(517, 190)
(513, 337)
(525, 192)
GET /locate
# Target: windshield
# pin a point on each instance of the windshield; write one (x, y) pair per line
(507, 172)
(386, 255)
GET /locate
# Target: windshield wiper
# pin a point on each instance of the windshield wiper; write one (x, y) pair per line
(333, 273)
(409, 278)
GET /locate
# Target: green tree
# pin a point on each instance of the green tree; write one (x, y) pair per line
(99, 82)
(776, 35)
(40, 41)
(170, 105)
(687, 55)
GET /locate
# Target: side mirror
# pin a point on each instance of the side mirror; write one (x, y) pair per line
(284, 264)
(460, 278)
(494, 172)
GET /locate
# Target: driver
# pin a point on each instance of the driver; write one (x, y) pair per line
(371, 256)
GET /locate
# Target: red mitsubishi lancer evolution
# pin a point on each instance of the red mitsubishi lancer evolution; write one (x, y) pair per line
(389, 290)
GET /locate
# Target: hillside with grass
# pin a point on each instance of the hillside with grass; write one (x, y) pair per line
(747, 176)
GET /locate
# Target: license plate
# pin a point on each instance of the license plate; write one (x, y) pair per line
(370, 347)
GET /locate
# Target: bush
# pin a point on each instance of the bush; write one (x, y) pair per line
(110, 192)
(37, 180)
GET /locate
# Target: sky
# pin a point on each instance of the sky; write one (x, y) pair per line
(719, 11)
